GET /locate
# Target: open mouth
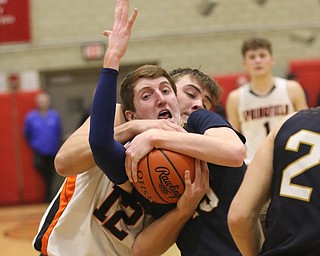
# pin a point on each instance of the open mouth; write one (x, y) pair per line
(165, 114)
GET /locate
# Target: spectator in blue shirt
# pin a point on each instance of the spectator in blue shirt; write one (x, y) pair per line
(42, 130)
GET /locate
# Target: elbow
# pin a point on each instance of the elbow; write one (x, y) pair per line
(239, 154)
(236, 220)
(61, 165)
(242, 151)
(233, 220)
(137, 250)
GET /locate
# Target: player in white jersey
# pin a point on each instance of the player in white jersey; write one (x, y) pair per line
(256, 107)
(90, 216)
(258, 115)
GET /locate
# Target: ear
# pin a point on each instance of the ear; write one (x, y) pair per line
(129, 115)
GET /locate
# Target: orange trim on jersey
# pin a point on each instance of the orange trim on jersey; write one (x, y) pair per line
(65, 197)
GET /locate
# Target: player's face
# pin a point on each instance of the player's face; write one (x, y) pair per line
(191, 96)
(154, 99)
(258, 62)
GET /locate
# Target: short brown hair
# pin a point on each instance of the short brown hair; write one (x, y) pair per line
(255, 43)
(205, 81)
(130, 81)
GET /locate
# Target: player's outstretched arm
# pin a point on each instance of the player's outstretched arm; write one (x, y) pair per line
(109, 154)
(163, 233)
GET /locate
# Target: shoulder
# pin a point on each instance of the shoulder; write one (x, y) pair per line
(202, 119)
(233, 99)
(234, 94)
(31, 114)
(293, 85)
(54, 112)
(297, 94)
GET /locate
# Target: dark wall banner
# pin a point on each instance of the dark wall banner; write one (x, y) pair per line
(14, 21)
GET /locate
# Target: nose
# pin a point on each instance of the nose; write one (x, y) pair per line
(198, 104)
(257, 59)
(161, 99)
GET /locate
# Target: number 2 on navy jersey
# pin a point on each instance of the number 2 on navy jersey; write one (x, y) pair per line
(301, 165)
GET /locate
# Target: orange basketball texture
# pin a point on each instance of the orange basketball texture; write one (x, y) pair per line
(161, 175)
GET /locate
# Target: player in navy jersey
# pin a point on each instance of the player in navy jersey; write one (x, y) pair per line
(286, 170)
(148, 93)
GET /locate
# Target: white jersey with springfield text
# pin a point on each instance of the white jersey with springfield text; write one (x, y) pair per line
(90, 216)
(258, 115)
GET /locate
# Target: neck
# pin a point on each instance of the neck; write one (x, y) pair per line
(262, 85)
(43, 111)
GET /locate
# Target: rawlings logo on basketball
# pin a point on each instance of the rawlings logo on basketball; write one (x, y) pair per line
(161, 175)
(166, 186)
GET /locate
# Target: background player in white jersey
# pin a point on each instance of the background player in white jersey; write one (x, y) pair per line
(255, 108)
(91, 216)
(286, 168)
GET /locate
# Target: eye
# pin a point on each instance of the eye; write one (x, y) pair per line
(146, 96)
(166, 90)
(252, 57)
(191, 95)
(262, 55)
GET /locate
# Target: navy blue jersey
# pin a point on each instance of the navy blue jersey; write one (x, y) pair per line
(207, 233)
(293, 218)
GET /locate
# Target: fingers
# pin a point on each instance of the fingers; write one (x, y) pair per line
(134, 170)
(204, 175)
(131, 165)
(107, 33)
(197, 171)
(201, 175)
(132, 18)
(118, 10)
(187, 179)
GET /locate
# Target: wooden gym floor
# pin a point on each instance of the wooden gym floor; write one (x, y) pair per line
(19, 224)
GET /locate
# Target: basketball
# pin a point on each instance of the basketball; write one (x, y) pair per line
(161, 175)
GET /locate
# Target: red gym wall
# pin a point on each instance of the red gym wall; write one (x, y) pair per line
(20, 182)
(228, 83)
(308, 75)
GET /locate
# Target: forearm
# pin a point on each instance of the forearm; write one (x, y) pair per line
(75, 155)
(158, 237)
(124, 132)
(212, 148)
(248, 236)
(108, 154)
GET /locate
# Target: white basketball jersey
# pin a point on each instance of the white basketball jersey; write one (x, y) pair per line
(90, 216)
(258, 115)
